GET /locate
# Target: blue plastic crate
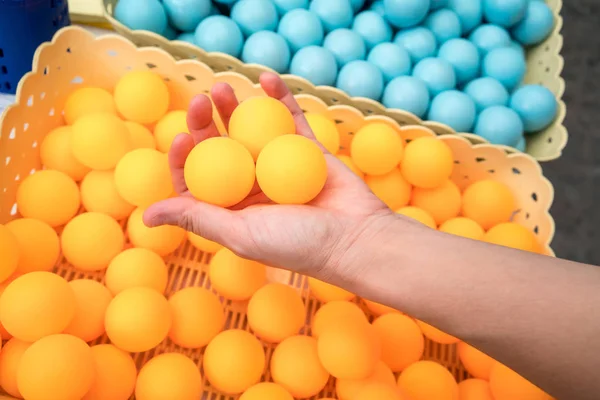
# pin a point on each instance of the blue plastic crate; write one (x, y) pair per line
(24, 25)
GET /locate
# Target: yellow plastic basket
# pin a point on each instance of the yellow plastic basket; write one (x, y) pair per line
(75, 58)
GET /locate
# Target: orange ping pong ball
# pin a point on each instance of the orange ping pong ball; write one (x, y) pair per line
(426, 380)
(202, 244)
(198, 317)
(234, 361)
(55, 153)
(99, 194)
(143, 177)
(233, 277)
(169, 376)
(38, 244)
(418, 214)
(390, 188)
(434, 334)
(219, 171)
(335, 312)
(325, 131)
(258, 120)
(141, 96)
(378, 309)
(488, 203)
(442, 202)
(115, 374)
(291, 169)
(326, 292)
(266, 391)
(402, 342)
(138, 319)
(4, 335)
(462, 226)
(136, 267)
(276, 311)
(474, 389)
(346, 389)
(162, 240)
(98, 141)
(88, 100)
(37, 304)
(91, 240)
(475, 362)
(50, 196)
(170, 125)
(56, 367)
(350, 164)
(141, 137)
(427, 163)
(376, 148)
(295, 365)
(10, 358)
(91, 300)
(506, 384)
(379, 391)
(9, 253)
(511, 234)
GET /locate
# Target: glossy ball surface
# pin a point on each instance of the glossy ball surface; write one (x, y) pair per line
(507, 65)
(536, 105)
(487, 92)
(392, 60)
(301, 28)
(185, 15)
(464, 57)
(361, 79)
(405, 13)
(346, 46)
(419, 42)
(505, 13)
(316, 64)
(407, 93)
(219, 33)
(145, 15)
(438, 75)
(334, 14)
(488, 37)
(373, 28)
(269, 49)
(536, 26)
(469, 12)
(255, 15)
(454, 109)
(499, 125)
(444, 24)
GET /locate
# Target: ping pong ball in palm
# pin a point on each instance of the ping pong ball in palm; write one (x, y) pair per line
(143, 177)
(169, 376)
(295, 365)
(325, 131)
(475, 362)
(91, 300)
(402, 342)
(56, 366)
(474, 389)
(266, 391)
(378, 390)
(291, 169)
(434, 334)
(462, 226)
(506, 384)
(163, 240)
(141, 137)
(98, 141)
(418, 214)
(138, 319)
(488, 203)
(378, 309)
(142, 96)
(89, 100)
(333, 313)
(55, 153)
(219, 171)
(347, 389)
(390, 188)
(259, 120)
(170, 125)
(511, 234)
(38, 244)
(326, 292)
(91, 240)
(427, 163)
(9, 253)
(136, 267)
(442, 202)
(233, 277)
(350, 164)
(37, 304)
(234, 361)
(50, 196)
(99, 194)
(115, 374)
(426, 380)
(275, 312)
(10, 358)
(376, 148)
(202, 244)
(197, 317)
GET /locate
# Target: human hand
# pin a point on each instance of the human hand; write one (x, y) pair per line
(310, 239)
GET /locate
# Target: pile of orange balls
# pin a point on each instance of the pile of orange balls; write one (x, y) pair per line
(108, 163)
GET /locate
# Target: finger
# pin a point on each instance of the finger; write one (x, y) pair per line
(225, 101)
(274, 87)
(200, 119)
(180, 149)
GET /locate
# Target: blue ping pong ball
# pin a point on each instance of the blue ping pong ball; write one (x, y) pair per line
(536, 105)
(189, 37)
(361, 79)
(269, 49)
(316, 64)
(301, 28)
(419, 42)
(537, 24)
(373, 28)
(489, 37)
(407, 93)
(378, 7)
(357, 4)
(505, 13)
(499, 125)
(507, 65)
(346, 46)
(406, 13)
(284, 6)
(334, 14)
(469, 12)
(444, 24)
(391, 59)
(454, 109)
(170, 32)
(185, 15)
(437, 74)
(219, 33)
(437, 4)
(521, 144)
(464, 57)
(255, 15)
(487, 92)
(147, 15)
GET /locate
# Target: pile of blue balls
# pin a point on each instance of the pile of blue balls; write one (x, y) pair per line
(458, 62)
